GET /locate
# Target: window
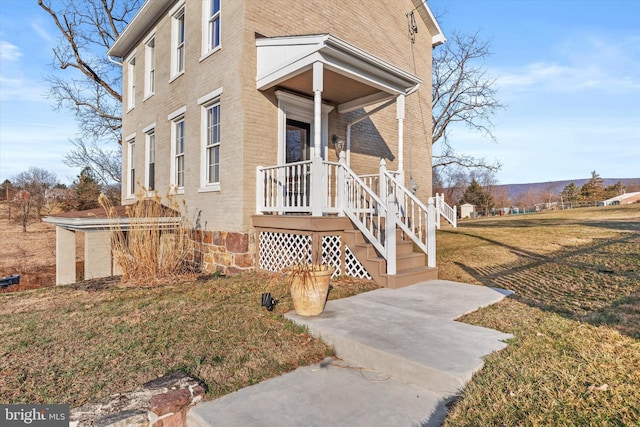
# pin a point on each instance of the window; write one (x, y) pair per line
(210, 25)
(210, 145)
(178, 39)
(131, 82)
(150, 67)
(150, 157)
(212, 148)
(131, 165)
(178, 148)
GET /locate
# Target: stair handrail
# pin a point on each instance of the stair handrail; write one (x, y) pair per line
(365, 209)
(443, 209)
(414, 218)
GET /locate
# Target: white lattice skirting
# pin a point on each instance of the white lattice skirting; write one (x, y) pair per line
(281, 250)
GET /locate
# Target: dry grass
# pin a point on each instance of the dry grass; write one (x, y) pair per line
(575, 355)
(148, 250)
(32, 254)
(76, 344)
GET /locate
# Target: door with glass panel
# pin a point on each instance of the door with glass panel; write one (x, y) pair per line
(297, 152)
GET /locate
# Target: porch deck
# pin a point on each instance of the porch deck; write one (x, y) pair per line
(284, 240)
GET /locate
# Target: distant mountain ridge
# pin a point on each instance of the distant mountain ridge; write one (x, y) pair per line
(515, 190)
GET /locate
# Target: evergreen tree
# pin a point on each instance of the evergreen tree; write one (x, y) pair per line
(593, 190)
(570, 194)
(477, 196)
(614, 190)
(87, 190)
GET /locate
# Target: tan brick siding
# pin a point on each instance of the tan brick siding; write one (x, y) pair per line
(249, 117)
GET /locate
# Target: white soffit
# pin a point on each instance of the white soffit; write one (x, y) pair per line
(280, 58)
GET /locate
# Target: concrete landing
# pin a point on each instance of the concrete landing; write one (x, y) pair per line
(403, 358)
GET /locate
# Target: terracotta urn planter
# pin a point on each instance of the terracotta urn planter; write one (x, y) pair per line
(309, 287)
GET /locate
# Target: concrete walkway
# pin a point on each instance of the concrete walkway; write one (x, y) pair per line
(402, 357)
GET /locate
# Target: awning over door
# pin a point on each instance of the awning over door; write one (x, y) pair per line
(353, 78)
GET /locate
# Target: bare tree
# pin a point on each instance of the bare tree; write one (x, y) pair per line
(33, 184)
(91, 85)
(462, 93)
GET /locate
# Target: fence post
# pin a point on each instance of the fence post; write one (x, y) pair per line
(260, 205)
(438, 210)
(390, 237)
(431, 233)
(317, 190)
(383, 186)
(340, 190)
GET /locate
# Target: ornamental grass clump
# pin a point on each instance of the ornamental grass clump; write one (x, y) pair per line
(150, 243)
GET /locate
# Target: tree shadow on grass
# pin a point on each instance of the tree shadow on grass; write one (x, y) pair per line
(598, 283)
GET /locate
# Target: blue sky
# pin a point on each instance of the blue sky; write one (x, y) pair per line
(568, 70)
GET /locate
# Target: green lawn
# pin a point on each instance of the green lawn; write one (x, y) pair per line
(575, 316)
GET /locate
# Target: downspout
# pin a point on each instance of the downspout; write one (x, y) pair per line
(113, 60)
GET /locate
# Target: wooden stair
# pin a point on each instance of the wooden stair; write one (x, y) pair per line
(410, 266)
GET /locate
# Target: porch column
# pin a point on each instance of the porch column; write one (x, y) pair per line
(97, 254)
(317, 191)
(318, 80)
(400, 117)
(65, 256)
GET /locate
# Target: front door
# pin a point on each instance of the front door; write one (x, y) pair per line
(298, 141)
(298, 149)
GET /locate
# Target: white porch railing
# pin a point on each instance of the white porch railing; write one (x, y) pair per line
(444, 210)
(376, 204)
(416, 220)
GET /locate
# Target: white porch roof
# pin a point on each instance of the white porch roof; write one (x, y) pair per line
(353, 77)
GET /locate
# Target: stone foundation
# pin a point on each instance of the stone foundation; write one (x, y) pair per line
(225, 252)
(163, 402)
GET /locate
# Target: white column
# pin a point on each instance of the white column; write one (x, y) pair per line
(65, 256)
(317, 190)
(400, 117)
(97, 254)
(431, 233)
(318, 85)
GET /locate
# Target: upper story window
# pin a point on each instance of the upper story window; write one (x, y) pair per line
(177, 42)
(131, 82)
(150, 67)
(210, 26)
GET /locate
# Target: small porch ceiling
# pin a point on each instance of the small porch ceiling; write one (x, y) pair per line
(353, 78)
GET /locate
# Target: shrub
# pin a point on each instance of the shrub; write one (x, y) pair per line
(150, 244)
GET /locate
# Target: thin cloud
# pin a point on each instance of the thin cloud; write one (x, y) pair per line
(588, 64)
(9, 51)
(12, 89)
(41, 32)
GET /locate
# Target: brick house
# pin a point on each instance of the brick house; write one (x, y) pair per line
(293, 130)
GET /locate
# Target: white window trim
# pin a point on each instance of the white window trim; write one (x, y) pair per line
(205, 102)
(301, 109)
(175, 117)
(129, 141)
(175, 12)
(148, 131)
(148, 90)
(206, 51)
(131, 81)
